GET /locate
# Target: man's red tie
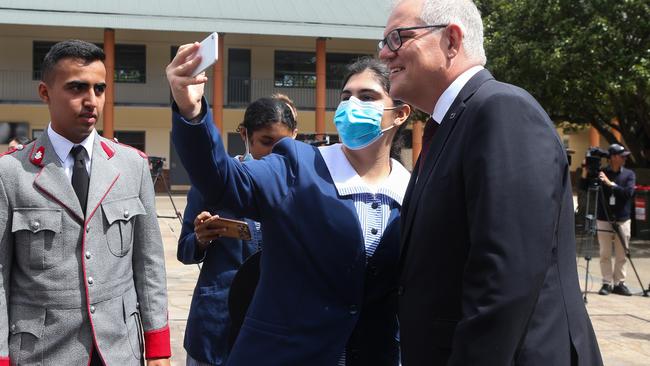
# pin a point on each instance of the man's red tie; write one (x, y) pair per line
(430, 129)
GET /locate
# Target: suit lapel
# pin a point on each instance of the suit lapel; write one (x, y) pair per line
(52, 179)
(102, 176)
(419, 182)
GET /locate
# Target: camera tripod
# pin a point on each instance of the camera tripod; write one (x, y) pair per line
(595, 197)
(156, 172)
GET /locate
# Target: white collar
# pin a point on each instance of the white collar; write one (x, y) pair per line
(348, 182)
(63, 146)
(450, 94)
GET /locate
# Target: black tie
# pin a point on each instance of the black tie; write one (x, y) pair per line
(429, 130)
(80, 177)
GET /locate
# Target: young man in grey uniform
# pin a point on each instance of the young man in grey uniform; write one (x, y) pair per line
(82, 275)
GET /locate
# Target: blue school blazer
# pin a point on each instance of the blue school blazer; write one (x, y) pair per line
(316, 297)
(208, 322)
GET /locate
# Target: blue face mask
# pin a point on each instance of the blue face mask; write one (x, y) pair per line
(359, 123)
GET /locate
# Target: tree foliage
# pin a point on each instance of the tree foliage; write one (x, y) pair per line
(585, 61)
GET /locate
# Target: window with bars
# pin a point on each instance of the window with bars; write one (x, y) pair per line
(298, 69)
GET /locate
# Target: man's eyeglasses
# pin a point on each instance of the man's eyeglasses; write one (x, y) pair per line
(394, 38)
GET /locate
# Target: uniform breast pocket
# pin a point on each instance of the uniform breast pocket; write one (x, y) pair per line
(120, 218)
(38, 234)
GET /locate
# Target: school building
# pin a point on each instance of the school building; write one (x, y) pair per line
(296, 47)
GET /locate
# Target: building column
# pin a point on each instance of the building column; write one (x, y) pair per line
(217, 86)
(594, 137)
(109, 103)
(321, 87)
(416, 139)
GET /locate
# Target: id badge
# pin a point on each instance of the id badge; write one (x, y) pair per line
(612, 200)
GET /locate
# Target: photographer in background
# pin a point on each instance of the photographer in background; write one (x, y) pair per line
(617, 184)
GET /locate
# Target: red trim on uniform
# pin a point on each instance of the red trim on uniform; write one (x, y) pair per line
(5, 361)
(142, 155)
(108, 150)
(55, 199)
(83, 268)
(157, 343)
(90, 356)
(10, 151)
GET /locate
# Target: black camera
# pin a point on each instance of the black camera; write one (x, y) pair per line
(156, 165)
(592, 162)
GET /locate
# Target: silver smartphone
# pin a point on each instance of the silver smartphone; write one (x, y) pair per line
(209, 52)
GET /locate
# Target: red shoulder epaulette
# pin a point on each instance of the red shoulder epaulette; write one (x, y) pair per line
(14, 149)
(10, 151)
(142, 154)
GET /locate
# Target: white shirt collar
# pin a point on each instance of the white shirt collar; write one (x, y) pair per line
(450, 94)
(348, 182)
(63, 146)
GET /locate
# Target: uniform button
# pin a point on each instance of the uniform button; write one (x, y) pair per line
(35, 225)
(353, 310)
(90, 280)
(137, 305)
(375, 205)
(374, 231)
(88, 255)
(126, 214)
(400, 290)
(13, 327)
(92, 309)
(87, 229)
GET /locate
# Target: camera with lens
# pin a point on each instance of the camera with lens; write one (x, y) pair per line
(592, 162)
(156, 165)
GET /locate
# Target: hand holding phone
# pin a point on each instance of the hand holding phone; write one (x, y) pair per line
(233, 228)
(209, 51)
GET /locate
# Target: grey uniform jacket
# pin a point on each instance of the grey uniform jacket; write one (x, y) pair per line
(71, 281)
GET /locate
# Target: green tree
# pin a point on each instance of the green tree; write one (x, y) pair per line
(585, 61)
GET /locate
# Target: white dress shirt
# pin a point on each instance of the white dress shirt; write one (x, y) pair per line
(450, 94)
(63, 146)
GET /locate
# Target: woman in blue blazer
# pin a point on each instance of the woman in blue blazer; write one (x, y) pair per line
(327, 288)
(208, 324)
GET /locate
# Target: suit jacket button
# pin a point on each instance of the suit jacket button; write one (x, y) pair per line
(92, 309)
(90, 280)
(126, 214)
(354, 310)
(400, 290)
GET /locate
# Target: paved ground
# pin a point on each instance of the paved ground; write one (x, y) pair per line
(622, 324)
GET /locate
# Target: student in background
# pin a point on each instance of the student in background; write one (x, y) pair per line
(266, 121)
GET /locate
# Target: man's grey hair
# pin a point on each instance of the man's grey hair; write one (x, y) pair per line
(465, 14)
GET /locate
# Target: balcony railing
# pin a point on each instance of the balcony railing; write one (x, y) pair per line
(18, 87)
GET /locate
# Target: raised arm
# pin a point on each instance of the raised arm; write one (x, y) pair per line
(223, 182)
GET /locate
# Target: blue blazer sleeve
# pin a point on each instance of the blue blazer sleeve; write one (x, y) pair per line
(187, 251)
(245, 189)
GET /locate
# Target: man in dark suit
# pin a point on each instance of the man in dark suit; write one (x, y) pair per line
(488, 268)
